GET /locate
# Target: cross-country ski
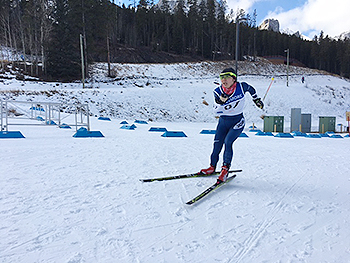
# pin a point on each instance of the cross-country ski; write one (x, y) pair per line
(209, 190)
(182, 176)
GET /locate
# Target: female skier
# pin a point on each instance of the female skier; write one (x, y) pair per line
(229, 103)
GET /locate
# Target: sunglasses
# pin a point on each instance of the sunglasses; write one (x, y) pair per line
(227, 75)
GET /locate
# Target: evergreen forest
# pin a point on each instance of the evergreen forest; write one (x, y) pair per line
(59, 36)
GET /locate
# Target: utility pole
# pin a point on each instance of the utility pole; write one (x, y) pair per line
(108, 58)
(255, 29)
(238, 20)
(287, 50)
(84, 37)
(237, 43)
(82, 60)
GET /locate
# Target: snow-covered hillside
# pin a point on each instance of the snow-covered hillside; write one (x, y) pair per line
(175, 92)
(75, 200)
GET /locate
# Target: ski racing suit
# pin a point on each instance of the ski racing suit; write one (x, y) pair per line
(231, 120)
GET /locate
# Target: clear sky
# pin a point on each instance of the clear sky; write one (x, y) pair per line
(308, 17)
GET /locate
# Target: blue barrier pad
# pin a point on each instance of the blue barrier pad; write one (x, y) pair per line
(141, 122)
(37, 108)
(336, 136)
(157, 129)
(128, 127)
(84, 133)
(104, 118)
(51, 122)
(298, 133)
(174, 134)
(65, 126)
(284, 135)
(260, 133)
(208, 132)
(313, 135)
(11, 135)
(324, 135)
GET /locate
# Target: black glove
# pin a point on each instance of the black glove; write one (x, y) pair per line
(222, 99)
(259, 103)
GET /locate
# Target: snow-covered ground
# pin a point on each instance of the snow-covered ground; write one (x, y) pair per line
(66, 199)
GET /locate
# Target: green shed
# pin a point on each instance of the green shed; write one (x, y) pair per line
(326, 124)
(273, 123)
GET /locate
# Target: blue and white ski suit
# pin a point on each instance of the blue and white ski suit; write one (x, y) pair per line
(231, 121)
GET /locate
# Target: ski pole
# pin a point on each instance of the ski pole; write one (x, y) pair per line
(268, 88)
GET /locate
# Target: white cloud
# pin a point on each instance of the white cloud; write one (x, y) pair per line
(315, 15)
(241, 4)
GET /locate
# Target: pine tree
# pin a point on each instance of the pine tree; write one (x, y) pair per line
(204, 32)
(178, 42)
(193, 21)
(63, 49)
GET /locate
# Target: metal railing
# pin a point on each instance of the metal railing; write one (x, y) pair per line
(47, 113)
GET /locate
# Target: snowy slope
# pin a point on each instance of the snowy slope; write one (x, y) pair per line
(65, 199)
(175, 92)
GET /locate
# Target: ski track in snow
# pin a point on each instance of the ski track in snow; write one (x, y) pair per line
(258, 232)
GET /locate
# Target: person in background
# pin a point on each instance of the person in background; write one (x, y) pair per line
(302, 79)
(229, 104)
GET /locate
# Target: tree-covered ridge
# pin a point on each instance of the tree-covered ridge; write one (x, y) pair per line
(55, 34)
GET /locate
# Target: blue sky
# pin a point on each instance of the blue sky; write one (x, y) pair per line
(308, 17)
